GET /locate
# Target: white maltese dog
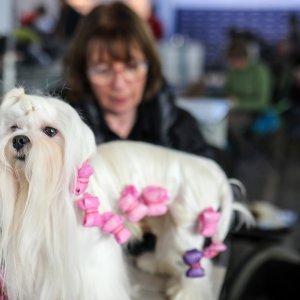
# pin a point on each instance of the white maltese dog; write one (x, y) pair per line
(66, 206)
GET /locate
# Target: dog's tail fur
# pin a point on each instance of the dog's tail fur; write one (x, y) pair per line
(239, 204)
(230, 207)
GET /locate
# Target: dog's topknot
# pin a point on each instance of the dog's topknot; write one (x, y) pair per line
(15, 93)
(12, 97)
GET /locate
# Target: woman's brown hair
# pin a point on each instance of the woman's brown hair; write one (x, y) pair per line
(115, 28)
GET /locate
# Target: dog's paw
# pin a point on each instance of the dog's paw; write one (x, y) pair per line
(186, 288)
(146, 262)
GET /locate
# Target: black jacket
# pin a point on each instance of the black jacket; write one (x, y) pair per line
(159, 122)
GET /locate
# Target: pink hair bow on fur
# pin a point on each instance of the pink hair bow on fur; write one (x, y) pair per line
(108, 222)
(82, 181)
(155, 198)
(214, 249)
(113, 224)
(151, 202)
(131, 205)
(207, 222)
(89, 204)
(2, 292)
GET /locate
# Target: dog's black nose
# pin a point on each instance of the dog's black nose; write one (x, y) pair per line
(19, 141)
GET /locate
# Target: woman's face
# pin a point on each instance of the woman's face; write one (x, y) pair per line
(117, 85)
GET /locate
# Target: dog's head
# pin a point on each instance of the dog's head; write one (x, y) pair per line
(44, 132)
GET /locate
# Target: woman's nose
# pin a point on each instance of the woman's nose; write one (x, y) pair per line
(119, 80)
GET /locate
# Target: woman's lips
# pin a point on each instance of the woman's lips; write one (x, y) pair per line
(119, 100)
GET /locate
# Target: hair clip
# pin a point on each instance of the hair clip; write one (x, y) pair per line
(130, 204)
(214, 249)
(192, 259)
(154, 198)
(208, 221)
(89, 204)
(113, 224)
(2, 288)
(82, 181)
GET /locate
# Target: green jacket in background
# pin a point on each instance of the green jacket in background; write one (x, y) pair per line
(251, 87)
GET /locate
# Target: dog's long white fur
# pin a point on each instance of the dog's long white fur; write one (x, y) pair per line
(46, 253)
(44, 250)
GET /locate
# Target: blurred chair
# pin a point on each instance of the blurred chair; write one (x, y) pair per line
(267, 273)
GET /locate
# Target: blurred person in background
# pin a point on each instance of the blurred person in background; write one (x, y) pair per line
(146, 9)
(155, 24)
(247, 84)
(115, 81)
(67, 22)
(281, 66)
(294, 35)
(293, 113)
(34, 37)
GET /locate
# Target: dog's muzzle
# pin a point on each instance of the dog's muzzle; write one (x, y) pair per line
(19, 142)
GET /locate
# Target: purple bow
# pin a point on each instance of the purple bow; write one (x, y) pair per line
(192, 259)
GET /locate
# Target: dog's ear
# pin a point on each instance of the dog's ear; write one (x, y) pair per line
(79, 140)
(86, 144)
(12, 97)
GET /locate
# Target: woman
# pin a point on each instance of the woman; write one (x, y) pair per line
(115, 81)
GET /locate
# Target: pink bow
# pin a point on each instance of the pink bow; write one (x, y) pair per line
(208, 221)
(108, 222)
(2, 289)
(113, 224)
(214, 249)
(154, 198)
(89, 204)
(82, 181)
(130, 204)
(151, 202)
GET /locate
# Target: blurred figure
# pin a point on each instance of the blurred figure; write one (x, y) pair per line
(294, 93)
(115, 81)
(67, 21)
(30, 17)
(293, 114)
(146, 10)
(40, 21)
(155, 24)
(34, 37)
(247, 84)
(294, 35)
(281, 65)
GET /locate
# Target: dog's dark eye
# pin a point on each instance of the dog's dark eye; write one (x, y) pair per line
(50, 131)
(14, 128)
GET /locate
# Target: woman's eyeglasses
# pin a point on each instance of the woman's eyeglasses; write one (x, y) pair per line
(105, 74)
